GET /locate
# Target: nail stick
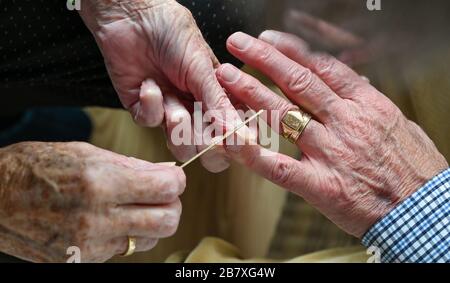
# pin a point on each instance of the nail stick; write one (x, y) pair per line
(237, 128)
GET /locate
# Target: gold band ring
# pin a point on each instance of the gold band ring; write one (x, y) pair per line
(293, 125)
(131, 246)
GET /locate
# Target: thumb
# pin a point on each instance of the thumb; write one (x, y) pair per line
(148, 111)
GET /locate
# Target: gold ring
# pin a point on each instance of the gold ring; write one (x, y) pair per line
(293, 125)
(131, 246)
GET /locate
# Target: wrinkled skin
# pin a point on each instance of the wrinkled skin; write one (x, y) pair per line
(57, 195)
(361, 155)
(154, 49)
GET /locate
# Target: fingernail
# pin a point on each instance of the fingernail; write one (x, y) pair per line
(241, 40)
(229, 73)
(268, 36)
(150, 88)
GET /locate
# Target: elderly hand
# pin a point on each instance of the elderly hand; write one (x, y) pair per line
(349, 48)
(361, 155)
(154, 48)
(54, 196)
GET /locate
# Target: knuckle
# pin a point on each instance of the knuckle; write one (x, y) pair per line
(182, 14)
(168, 223)
(325, 65)
(221, 101)
(281, 172)
(299, 80)
(82, 146)
(88, 189)
(170, 194)
(281, 106)
(172, 188)
(139, 222)
(249, 88)
(186, 12)
(263, 53)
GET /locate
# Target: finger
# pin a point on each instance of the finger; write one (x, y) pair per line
(203, 84)
(182, 136)
(149, 110)
(215, 160)
(147, 221)
(258, 97)
(148, 184)
(296, 176)
(321, 32)
(120, 244)
(179, 129)
(201, 81)
(298, 83)
(338, 76)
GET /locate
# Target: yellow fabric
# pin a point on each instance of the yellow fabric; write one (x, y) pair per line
(213, 250)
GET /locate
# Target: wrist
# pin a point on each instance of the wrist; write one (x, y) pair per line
(97, 13)
(406, 168)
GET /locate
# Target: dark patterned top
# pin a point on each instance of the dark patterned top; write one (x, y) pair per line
(48, 57)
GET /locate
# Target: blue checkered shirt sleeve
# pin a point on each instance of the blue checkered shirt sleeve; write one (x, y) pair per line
(417, 230)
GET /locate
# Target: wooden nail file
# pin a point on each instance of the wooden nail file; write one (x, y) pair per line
(237, 128)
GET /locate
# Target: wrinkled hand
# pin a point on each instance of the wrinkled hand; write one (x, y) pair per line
(349, 47)
(54, 196)
(153, 48)
(361, 156)
(319, 32)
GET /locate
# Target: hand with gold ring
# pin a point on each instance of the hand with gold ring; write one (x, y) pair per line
(361, 155)
(61, 195)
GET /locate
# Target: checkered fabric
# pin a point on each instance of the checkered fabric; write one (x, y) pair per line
(418, 230)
